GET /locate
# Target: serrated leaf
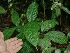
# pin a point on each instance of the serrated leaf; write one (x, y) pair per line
(8, 33)
(48, 24)
(57, 51)
(65, 9)
(15, 17)
(32, 11)
(31, 32)
(57, 37)
(2, 10)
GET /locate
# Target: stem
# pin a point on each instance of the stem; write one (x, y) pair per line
(53, 1)
(44, 8)
(60, 21)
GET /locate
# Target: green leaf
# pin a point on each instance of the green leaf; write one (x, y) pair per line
(67, 49)
(9, 1)
(31, 32)
(20, 36)
(15, 17)
(26, 48)
(57, 9)
(44, 43)
(56, 0)
(68, 35)
(8, 33)
(2, 10)
(32, 11)
(53, 14)
(54, 5)
(51, 0)
(20, 29)
(57, 37)
(65, 9)
(56, 12)
(48, 50)
(48, 24)
(57, 51)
